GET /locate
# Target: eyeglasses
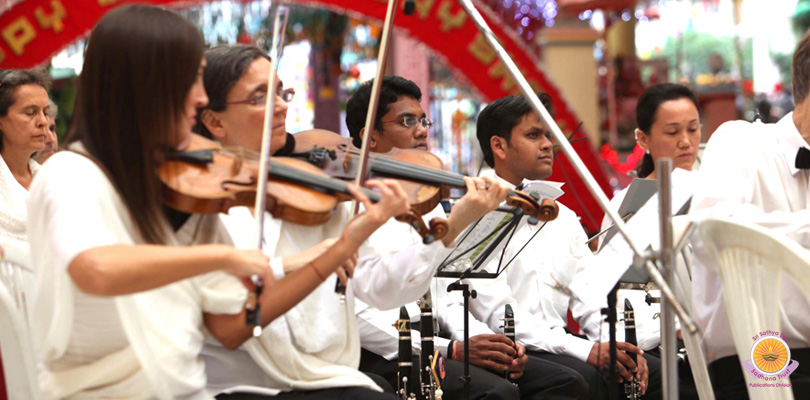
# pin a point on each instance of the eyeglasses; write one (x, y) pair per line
(261, 99)
(410, 122)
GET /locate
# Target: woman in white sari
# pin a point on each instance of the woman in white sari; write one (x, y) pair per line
(24, 106)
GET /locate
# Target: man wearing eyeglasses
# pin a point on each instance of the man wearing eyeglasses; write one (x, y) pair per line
(401, 123)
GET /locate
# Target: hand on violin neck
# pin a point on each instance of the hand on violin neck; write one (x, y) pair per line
(483, 195)
(394, 202)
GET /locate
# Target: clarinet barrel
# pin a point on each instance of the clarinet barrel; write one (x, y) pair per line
(426, 359)
(403, 326)
(509, 328)
(631, 389)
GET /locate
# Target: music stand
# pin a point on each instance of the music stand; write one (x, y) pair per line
(490, 235)
(638, 193)
(480, 243)
(635, 274)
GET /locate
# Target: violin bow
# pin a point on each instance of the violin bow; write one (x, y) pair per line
(362, 164)
(253, 313)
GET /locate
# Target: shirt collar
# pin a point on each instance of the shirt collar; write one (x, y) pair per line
(789, 141)
(504, 182)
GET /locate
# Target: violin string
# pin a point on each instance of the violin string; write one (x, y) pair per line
(329, 184)
(283, 171)
(407, 170)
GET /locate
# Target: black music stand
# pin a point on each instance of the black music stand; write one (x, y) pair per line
(479, 245)
(493, 232)
(636, 198)
(638, 193)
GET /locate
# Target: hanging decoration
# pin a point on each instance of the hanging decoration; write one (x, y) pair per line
(34, 30)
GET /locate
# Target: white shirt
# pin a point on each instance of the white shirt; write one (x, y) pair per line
(648, 328)
(540, 311)
(315, 345)
(377, 333)
(12, 203)
(616, 257)
(91, 346)
(748, 173)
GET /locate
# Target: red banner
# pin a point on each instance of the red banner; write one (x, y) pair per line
(33, 30)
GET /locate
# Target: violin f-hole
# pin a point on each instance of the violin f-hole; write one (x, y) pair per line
(224, 185)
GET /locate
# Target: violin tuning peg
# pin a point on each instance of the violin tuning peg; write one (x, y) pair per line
(535, 195)
(533, 220)
(428, 239)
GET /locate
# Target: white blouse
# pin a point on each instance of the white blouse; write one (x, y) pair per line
(616, 257)
(91, 346)
(315, 345)
(12, 203)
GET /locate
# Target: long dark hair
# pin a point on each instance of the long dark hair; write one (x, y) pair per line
(647, 110)
(140, 64)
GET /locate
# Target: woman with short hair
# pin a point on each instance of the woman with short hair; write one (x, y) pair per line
(24, 106)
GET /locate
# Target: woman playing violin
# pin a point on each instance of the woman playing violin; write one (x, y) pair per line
(101, 325)
(319, 335)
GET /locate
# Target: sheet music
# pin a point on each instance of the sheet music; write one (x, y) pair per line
(482, 232)
(639, 192)
(475, 234)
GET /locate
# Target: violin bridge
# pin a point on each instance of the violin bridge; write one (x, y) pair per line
(346, 162)
(237, 162)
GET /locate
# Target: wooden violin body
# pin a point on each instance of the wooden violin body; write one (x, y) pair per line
(338, 158)
(206, 178)
(419, 172)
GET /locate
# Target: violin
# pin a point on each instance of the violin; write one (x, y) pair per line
(419, 172)
(206, 178)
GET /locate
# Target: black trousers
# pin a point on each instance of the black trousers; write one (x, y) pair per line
(346, 393)
(598, 383)
(728, 381)
(540, 380)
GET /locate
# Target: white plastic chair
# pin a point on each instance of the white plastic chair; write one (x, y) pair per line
(750, 262)
(15, 342)
(682, 226)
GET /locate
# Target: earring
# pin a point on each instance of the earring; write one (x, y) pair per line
(647, 151)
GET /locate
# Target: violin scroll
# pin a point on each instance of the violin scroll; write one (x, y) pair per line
(545, 211)
(437, 227)
(548, 210)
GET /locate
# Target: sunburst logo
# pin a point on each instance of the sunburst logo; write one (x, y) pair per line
(770, 355)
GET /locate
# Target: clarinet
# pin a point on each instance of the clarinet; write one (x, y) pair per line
(403, 326)
(509, 329)
(631, 389)
(429, 384)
